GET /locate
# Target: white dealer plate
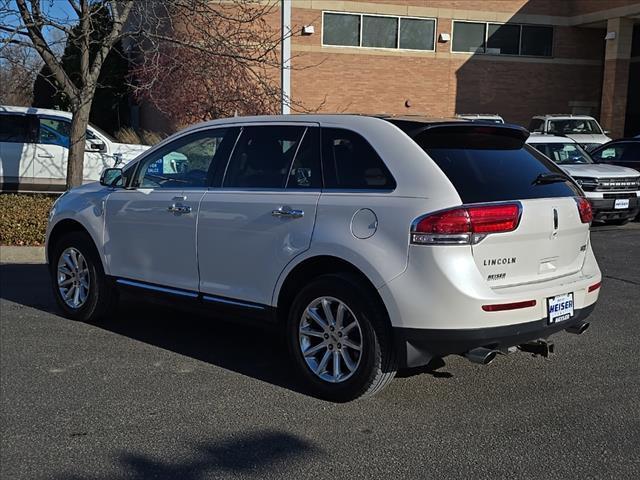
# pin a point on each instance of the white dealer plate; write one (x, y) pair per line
(560, 307)
(621, 203)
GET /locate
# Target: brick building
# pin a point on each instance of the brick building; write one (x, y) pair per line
(517, 58)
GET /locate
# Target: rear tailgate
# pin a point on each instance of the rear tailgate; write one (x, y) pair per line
(491, 164)
(550, 241)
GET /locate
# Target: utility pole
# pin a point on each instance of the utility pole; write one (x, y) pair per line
(285, 56)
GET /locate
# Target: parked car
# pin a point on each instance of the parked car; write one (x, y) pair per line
(482, 117)
(34, 146)
(375, 243)
(624, 152)
(582, 128)
(613, 191)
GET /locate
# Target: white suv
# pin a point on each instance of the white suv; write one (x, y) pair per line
(376, 243)
(613, 191)
(583, 129)
(34, 146)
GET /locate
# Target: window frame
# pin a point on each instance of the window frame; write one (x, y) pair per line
(486, 39)
(219, 182)
(325, 168)
(133, 182)
(389, 49)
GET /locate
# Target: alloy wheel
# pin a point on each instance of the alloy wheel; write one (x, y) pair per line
(330, 339)
(73, 278)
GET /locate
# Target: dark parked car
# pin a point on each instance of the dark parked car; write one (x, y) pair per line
(624, 152)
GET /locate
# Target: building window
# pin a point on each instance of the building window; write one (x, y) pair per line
(340, 29)
(502, 39)
(536, 41)
(378, 31)
(417, 34)
(469, 37)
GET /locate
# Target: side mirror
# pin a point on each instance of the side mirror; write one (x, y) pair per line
(606, 132)
(95, 146)
(112, 177)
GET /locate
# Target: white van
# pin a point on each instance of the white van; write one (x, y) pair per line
(34, 146)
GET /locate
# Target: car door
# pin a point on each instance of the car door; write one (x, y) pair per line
(150, 227)
(17, 151)
(52, 150)
(262, 216)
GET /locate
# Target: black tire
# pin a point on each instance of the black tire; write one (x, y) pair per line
(102, 298)
(378, 361)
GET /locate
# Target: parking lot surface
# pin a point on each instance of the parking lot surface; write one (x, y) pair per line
(158, 393)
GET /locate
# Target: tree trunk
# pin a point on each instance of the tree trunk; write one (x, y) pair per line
(77, 144)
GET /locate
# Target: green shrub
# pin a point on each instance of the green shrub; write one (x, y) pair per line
(23, 218)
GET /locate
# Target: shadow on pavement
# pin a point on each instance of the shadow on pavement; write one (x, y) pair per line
(263, 454)
(253, 350)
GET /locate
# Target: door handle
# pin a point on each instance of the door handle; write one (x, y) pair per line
(45, 155)
(175, 208)
(286, 211)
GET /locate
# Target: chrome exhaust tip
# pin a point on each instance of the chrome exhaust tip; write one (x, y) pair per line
(578, 328)
(481, 355)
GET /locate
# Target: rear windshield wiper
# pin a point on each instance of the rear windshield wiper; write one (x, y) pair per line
(549, 178)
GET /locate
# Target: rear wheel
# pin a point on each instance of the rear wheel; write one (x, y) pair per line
(80, 286)
(339, 339)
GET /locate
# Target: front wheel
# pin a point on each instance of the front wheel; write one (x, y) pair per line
(340, 340)
(80, 286)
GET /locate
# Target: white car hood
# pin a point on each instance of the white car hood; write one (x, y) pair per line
(599, 170)
(589, 138)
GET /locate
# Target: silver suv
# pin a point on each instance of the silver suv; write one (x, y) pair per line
(375, 243)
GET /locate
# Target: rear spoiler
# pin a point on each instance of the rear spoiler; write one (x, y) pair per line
(465, 135)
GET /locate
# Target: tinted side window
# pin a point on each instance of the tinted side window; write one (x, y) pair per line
(536, 125)
(609, 154)
(631, 151)
(262, 157)
(349, 162)
(187, 162)
(305, 170)
(15, 128)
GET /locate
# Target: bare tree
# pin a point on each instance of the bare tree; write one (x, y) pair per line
(30, 32)
(18, 68)
(195, 59)
(213, 59)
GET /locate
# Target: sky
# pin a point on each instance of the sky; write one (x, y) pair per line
(58, 10)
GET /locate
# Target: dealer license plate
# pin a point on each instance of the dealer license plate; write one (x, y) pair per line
(621, 203)
(560, 307)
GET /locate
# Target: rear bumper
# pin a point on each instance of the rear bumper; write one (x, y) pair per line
(604, 208)
(417, 346)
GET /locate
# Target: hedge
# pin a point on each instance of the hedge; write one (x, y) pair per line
(23, 218)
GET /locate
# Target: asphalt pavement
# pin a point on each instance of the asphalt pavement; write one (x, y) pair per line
(158, 393)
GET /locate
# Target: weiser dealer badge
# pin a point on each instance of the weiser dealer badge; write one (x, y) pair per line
(560, 307)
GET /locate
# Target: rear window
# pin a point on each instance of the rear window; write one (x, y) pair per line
(486, 169)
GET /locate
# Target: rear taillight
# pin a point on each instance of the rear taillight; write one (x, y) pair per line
(594, 287)
(584, 208)
(465, 225)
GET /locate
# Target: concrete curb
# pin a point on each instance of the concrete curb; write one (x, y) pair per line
(9, 254)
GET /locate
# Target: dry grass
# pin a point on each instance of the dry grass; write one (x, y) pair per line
(143, 137)
(24, 218)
